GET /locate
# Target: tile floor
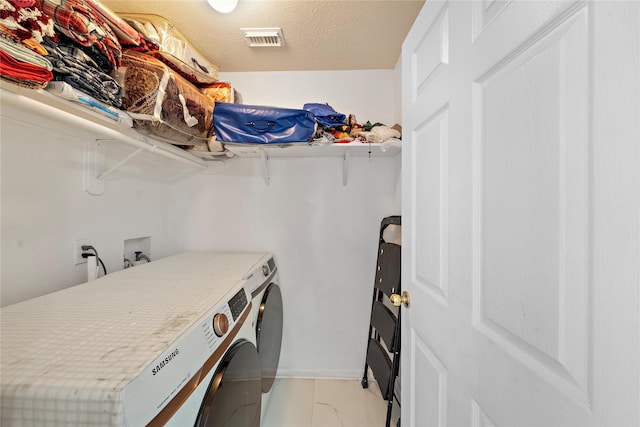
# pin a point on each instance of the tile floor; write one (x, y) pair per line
(325, 403)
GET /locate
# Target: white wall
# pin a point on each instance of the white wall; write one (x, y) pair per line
(397, 94)
(324, 237)
(369, 94)
(45, 209)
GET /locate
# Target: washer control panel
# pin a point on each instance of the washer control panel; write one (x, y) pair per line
(237, 304)
(272, 264)
(261, 275)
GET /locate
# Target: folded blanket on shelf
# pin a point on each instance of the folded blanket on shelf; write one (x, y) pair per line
(23, 66)
(31, 44)
(125, 33)
(74, 66)
(145, 45)
(78, 21)
(25, 20)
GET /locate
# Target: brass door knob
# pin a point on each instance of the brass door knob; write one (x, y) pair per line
(398, 300)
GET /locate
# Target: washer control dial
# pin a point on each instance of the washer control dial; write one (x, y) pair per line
(220, 324)
(265, 270)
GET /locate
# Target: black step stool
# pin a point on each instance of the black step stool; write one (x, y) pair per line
(383, 347)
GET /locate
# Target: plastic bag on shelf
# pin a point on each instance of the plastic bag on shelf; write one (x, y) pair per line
(66, 91)
(175, 50)
(164, 104)
(220, 92)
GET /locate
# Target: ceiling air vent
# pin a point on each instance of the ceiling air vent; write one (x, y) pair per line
(263, 37)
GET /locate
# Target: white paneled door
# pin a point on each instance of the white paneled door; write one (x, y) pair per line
(521, 214)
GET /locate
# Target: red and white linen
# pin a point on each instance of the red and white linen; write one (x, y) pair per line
(81, 23)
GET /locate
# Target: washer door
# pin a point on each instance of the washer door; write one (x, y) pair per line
(269, 334)
(234, 397)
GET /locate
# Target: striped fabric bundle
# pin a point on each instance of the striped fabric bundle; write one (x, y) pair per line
(25, 20)
(22, 66)
(78, 21)
(73, 66)
(126, 34)
(23, 26)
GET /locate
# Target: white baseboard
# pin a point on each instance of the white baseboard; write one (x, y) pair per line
(319, 374)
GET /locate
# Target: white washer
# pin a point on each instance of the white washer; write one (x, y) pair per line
(136, 347)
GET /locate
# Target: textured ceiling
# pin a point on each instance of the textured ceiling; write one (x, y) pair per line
(319, 34)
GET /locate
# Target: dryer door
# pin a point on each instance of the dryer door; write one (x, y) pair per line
(269, 334)
(234, 394)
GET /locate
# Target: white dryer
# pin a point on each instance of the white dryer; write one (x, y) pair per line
(169, 342)
(267, 305)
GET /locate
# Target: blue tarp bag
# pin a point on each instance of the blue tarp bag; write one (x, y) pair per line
(257, 124)
(325, 115)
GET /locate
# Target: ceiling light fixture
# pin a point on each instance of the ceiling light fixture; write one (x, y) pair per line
(223, 6)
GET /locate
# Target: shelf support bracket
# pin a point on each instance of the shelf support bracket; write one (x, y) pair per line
(104, 174)
(265, 166)
(94, 161)
(94, 173)
(346, 157)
